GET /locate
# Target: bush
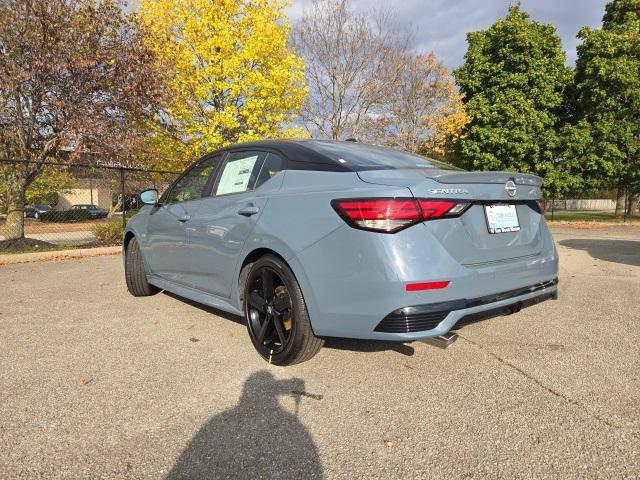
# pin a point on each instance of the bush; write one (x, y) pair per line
(108, 232)
(65, 216)
(132, 212)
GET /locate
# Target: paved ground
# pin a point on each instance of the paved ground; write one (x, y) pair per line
(97, 384)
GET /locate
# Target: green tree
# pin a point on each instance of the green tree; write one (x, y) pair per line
(513, 81)
(606, 101)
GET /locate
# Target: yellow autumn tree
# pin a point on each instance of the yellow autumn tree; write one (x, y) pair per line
(446, 125)
(422, 110)
(230, 75)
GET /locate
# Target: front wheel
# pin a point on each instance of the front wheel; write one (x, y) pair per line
(277, 317)
(134, 272)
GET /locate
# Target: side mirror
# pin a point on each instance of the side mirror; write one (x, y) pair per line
(149, 197)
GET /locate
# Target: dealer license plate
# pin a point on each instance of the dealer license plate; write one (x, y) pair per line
(502, 218)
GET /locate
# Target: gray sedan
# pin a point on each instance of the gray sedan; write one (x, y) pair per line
(310, 239)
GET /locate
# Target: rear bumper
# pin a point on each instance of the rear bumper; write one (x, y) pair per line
(353, 279)
(428, 320)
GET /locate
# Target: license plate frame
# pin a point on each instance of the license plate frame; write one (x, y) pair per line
(501, 218)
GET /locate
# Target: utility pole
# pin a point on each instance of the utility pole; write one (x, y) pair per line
(556, 161)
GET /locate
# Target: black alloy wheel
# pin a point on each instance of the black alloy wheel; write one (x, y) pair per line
(270, 311)
(277, 318)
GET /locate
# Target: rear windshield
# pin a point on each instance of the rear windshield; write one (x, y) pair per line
(360, 156)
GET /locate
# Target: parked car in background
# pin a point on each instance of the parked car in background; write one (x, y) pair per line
(310, 239)
(35, 211)
(93, 210)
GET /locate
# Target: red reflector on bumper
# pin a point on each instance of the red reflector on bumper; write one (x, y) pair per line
(414, 287)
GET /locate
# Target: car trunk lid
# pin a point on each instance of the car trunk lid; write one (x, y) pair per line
(467, 238)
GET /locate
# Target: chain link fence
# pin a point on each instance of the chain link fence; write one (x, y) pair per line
(88, 204)
(71, 205)
(607, 204)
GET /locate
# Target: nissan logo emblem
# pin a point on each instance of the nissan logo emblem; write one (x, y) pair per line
(510, 187)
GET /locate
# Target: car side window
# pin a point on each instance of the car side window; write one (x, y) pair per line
(239, 172)
(273, 164)
(192, 185)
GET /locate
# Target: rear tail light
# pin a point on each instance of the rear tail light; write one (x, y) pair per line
(416, 287)
(389, 215)
(537, 206)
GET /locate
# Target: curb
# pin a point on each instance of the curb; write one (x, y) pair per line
(591, 224)
(58, 255)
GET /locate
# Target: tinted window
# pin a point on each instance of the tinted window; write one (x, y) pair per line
(239, 172)
(358, 156)
(272, 165)
(191, 185)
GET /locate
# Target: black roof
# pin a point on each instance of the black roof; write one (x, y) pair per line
(296, 150)
(341, 156)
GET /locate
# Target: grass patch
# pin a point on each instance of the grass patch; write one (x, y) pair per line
(591, 216)
(108, 233)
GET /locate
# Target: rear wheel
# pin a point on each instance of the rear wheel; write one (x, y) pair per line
(134, 272)
(277, 317)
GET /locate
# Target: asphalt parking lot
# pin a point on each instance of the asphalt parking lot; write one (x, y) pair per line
(97, 384)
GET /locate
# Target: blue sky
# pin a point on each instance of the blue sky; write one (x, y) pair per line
(441, 25)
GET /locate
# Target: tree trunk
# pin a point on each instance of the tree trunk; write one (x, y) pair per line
(620, 201)
(14, 228)
(113, 208)
(634, 201)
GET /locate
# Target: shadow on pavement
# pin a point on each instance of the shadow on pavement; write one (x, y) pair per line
(206, 308)
(334, 343)
(368, 346)
(255, 439)
(619, 251)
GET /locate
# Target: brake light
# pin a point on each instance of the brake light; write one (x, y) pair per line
(390, 215)
(435, 208)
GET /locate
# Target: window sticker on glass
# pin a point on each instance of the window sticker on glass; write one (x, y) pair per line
(236, 175)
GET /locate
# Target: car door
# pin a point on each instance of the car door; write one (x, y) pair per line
(166, 248)
(227, 218)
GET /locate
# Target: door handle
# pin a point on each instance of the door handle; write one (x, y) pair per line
(248, 211)
(184, 218)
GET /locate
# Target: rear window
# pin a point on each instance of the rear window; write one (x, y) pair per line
(358, 156)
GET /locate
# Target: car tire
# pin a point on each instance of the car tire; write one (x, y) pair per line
(134, 272)
(301, 343)
(36, 216)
